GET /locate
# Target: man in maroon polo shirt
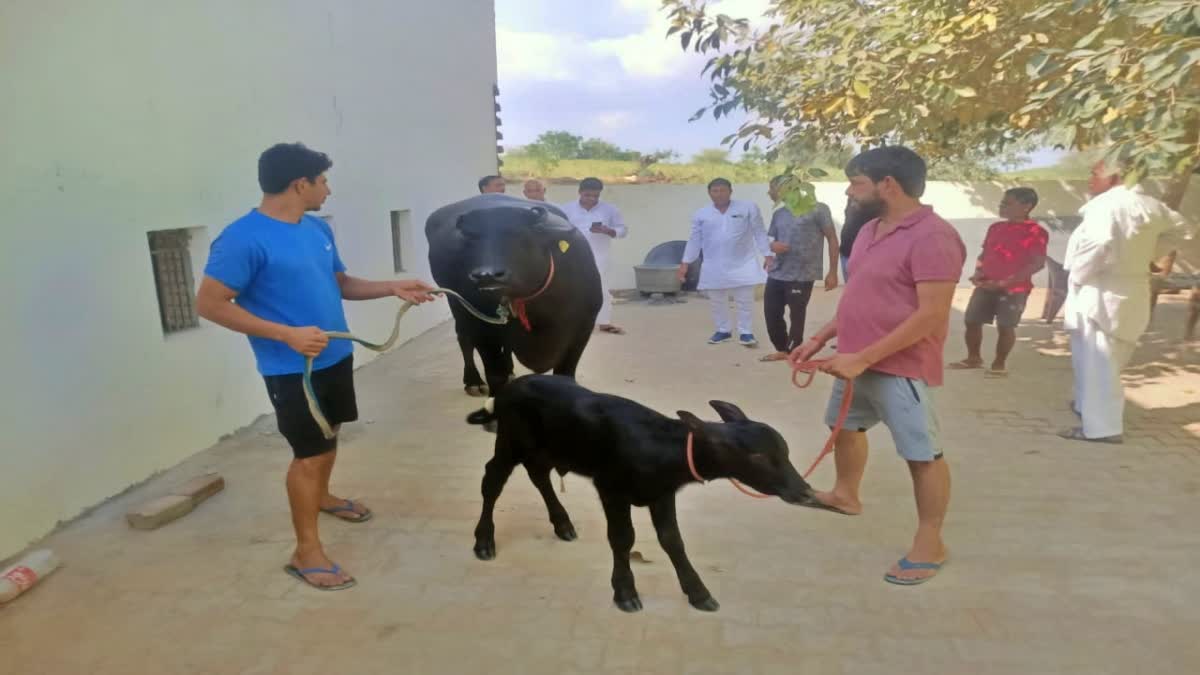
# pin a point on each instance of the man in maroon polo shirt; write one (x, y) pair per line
(1013, 251)
(891, 328)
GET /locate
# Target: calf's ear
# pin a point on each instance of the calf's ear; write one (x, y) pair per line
(694, 424)
(729, 412)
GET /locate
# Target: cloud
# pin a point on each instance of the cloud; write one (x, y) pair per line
(610, 71)
(573, 53)
(613, 120)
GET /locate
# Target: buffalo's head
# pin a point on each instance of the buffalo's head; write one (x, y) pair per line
(752, 452)
(507, 249)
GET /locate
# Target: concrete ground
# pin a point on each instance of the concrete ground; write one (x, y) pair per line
(1067, 558)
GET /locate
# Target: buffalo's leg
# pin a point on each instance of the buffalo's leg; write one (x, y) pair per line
(570, 360)
(662, 514)
(620, 539)
(496, 365)
(495, 474)
(540, 475)
(472, 381)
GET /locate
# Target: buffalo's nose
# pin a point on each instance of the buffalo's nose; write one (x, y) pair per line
(489, 275)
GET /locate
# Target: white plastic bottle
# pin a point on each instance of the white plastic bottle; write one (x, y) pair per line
(26, 573)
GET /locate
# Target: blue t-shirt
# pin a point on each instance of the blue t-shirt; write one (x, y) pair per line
(285, 273)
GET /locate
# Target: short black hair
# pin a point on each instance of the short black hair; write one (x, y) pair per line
(897, 161)
(720, 181)
(483, 182)
(283, 163)
(1025, 195)
(591, 184)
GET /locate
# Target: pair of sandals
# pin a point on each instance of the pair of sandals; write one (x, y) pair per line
(347, 507)
(972, 365)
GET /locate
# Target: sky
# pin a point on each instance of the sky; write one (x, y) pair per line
(605, 68)
(606, 71)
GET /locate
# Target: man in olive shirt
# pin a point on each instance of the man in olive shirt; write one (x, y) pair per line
(797, 242)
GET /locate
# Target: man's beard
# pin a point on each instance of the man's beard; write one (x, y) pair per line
(868, 209)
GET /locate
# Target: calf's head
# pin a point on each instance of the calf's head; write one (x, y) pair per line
(506, 249)
(749, 451)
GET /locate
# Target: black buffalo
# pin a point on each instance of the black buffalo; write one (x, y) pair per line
(496, 250)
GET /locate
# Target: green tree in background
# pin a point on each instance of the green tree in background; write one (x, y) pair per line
(953, 79)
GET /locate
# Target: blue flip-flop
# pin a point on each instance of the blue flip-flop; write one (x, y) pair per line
(906, 564)
(348, 507)
(300, 574)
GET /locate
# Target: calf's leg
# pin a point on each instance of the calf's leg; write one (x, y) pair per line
(495, 474)
(662, 514)
(620, 539)
(540, 476)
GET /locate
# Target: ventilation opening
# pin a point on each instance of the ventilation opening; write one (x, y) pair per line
(174, 283)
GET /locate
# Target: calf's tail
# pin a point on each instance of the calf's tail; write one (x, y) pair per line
(485, 416)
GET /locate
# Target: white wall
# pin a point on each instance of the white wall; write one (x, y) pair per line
(659, 212)
(128, 116)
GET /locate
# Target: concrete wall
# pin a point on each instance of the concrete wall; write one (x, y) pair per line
(129, 116)
(657, 212)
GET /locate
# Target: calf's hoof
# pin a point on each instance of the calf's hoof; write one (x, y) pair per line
(485, 550)
(633, 604)
(565, 531)
(476, 390)
(708, 604)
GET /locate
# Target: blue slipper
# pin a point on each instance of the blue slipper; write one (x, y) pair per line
(348, 507)
(906, 564)
(302, 575)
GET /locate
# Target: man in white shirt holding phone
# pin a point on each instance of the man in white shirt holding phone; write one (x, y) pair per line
(600, 222)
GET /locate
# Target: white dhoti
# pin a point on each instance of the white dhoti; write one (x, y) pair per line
(1097, 359)
(604, 318)
(743, 298)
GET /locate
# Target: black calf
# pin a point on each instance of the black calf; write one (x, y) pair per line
(635, 457)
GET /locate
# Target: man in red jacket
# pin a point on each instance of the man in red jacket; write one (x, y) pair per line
(1013, 251)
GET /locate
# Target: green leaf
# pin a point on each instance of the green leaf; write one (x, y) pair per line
(1087, 39)
(1034, 68)
(862, 89)
(965, 92)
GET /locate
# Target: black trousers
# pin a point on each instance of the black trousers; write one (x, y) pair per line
(795, 296)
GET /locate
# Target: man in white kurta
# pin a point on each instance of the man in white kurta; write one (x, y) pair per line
(600, 222)
(1108, 295)
(731, 235)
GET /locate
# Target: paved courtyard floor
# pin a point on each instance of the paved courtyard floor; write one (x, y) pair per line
(1067, 558)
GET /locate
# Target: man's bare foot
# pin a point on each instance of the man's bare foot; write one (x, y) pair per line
(346, 509)
(774, 356)
(966, 364)
(846, 505)
(318, 560)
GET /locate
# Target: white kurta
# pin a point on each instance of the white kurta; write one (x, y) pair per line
(1108, 296)
(731, 242)
(1108, 259)
(607, 215)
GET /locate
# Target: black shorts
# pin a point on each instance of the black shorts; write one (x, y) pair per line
(334, 387)
(1006, 308)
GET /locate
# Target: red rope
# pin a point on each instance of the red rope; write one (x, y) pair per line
(810, 367)
(518, 305)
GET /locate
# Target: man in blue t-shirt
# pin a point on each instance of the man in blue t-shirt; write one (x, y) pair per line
(275, 275)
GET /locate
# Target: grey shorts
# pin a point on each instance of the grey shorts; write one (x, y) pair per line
(986, 305)
(905, 406)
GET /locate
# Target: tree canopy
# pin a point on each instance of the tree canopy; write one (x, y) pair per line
(952, 78)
